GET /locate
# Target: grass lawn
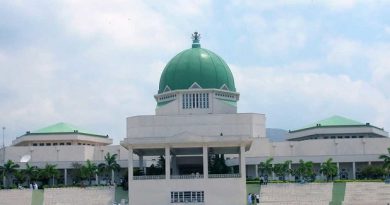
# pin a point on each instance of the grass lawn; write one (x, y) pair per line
(252, 188)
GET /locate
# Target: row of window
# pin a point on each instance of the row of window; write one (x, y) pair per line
(195, 100)
(167, 97)
(50, 144)
(338, 137)
(225, 95)
(187, 196)
(56, 144)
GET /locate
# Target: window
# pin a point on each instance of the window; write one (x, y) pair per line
(35, 144)
(79, 143)
(55, 144)
(68, 143)
(48, 144)
(195, 100)
(187, 196)
(41, 144)
(62, 143)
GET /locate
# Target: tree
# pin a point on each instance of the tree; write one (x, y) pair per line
(110, 165)
(217, 164)
(7, 170)
(31, 173)
(304, 171)
(282, 169)
(89, 170)
(50, 171)
(386, 162)
(372, 172)
(76, 172)
(266, 167)
(329, 169)
(20, 176)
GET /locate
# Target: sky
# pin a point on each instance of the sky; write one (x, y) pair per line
(95, 63)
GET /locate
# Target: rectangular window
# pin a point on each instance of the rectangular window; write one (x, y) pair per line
(48, 144)
(62, 143)
(184, 197)
(197, 100)
(68, 143)
(193, 100)
(35, 144)
(55, 144)
(207, 100)
(41, 144)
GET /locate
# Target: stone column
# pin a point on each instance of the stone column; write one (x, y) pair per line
(369, 163)
(256, 170)
(65, 176)
(141, 162)
(242, 161)
(338, 170)
(167, 163)
(96, 178)
(130, 165)
(353, 170)
(205, 162)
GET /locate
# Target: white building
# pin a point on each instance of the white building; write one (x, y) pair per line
(171, 157)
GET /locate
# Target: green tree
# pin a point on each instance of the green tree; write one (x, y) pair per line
(7, 170)
(110, 165)
(89, 170)
(282, 169)
(20, 176)
(329, 169)
(76, 172)
(266, 168)
(50, 171)
(386, 162)
(217, 164)
(304, 171)
(31, 173)
(372, 172)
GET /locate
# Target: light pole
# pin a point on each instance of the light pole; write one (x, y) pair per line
(3, 146)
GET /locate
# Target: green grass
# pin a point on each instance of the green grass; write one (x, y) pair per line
(37, 197)
(338, 193)
(121, 194)
(252, 188)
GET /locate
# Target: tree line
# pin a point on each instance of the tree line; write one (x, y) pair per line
(13, 175)
(304, 171)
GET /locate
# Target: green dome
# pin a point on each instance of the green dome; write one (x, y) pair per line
(196, 65)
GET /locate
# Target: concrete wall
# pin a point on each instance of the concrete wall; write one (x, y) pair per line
(202, 125)
(321, 147)
(224, 191)
(72, 153)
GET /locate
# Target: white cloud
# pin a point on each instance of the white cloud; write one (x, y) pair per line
(278, 36)
(343, 51)
(134, 24)
(291, 98)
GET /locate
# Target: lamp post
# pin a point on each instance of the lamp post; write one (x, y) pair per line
(3, 146)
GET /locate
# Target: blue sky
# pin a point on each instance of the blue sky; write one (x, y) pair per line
(94, 63)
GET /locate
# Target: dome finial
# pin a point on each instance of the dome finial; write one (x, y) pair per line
(195, 40)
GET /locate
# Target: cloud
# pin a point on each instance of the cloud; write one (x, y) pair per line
(293, 99)
(135, 24)
(343, 51)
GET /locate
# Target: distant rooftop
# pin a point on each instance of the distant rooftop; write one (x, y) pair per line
(334, 121)
(64, 128)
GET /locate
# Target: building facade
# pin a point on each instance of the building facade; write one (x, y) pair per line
(197, 149)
